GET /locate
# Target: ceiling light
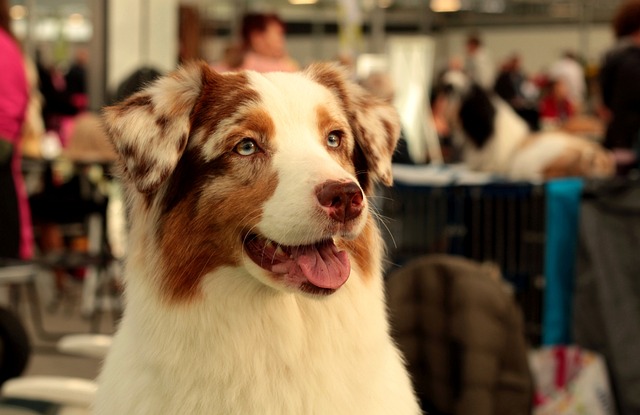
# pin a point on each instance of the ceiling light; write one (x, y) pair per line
(18, 12)
(76, 18)
(297, 2)
(441, 6)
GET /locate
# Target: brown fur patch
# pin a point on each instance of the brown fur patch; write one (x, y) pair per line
(391, 133)
(335, 82)
(331, 78)
(135, 102)
(207, 207)
(326, 124)
(162, 123)
(360, 249)
(255, 123)
(221, 97)
(205, 228)
(567, 164)
(374, 123)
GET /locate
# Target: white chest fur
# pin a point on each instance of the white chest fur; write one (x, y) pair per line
(247, 349)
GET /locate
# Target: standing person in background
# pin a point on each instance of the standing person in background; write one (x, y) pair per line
(569, 70)
(556, 106)
(263, 37)
(478, 64)
(57, 102)
(620, 85)
(513, 85)
(76, 80)
(16, 239)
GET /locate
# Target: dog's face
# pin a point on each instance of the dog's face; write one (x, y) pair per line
(267, 172)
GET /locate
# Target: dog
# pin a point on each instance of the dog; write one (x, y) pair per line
(253, 281)
(496, 139)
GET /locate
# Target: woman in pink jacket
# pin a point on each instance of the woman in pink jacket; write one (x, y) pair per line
(15, 222)
(263, 37)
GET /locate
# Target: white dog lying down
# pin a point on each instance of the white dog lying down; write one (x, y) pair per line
(253, 280)
(497, 140)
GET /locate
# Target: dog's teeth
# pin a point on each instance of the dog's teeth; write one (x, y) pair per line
(268, 244)
(279, 251)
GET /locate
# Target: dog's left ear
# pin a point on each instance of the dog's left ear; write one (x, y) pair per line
(150, 129)
(375, 123)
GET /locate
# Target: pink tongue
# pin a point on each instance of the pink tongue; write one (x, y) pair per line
(322, 265)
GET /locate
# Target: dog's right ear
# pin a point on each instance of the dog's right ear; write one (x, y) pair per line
(150, 129)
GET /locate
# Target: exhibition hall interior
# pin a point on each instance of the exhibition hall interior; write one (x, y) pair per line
(506, 195)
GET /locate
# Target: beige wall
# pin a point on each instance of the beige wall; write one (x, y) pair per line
(126, 51)
(538, 45)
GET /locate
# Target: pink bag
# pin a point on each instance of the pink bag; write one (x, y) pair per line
(570, 380)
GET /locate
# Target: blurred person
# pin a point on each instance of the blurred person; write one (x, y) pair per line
(478, 63)
(264, 43)
(15, 226)
(57, 104)
(33, 129)
(513, 85)
(64, 96)
(448, 145)
(451, 149)
(76, 80)
(571, 72)
(556, 107)
(453, 64)
(620, 86)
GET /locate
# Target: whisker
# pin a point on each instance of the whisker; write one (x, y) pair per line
(381, 219)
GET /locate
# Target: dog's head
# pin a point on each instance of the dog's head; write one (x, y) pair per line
(469, 107)
(266, 172)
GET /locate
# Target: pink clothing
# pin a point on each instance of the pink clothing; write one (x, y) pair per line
(13, 84)
(14, 97)
(260, 63)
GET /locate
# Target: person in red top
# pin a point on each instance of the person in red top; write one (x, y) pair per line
(556, 107)
(263, 37)
(16, 239)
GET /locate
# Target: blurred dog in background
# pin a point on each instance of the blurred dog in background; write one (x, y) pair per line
(497, 140)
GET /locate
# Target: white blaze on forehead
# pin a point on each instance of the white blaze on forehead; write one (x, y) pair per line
(293, 101)
(301, 157)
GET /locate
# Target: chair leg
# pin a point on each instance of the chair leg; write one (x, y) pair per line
(36, 313)
(14, 297)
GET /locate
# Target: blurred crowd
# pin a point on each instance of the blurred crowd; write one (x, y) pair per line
(601, 102)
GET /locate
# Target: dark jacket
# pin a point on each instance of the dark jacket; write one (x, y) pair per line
(462, 335)
(620, 86)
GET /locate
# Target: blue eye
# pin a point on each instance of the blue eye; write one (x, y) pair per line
(246, 147)
(334, 139)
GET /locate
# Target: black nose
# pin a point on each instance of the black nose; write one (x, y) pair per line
(343, 201)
